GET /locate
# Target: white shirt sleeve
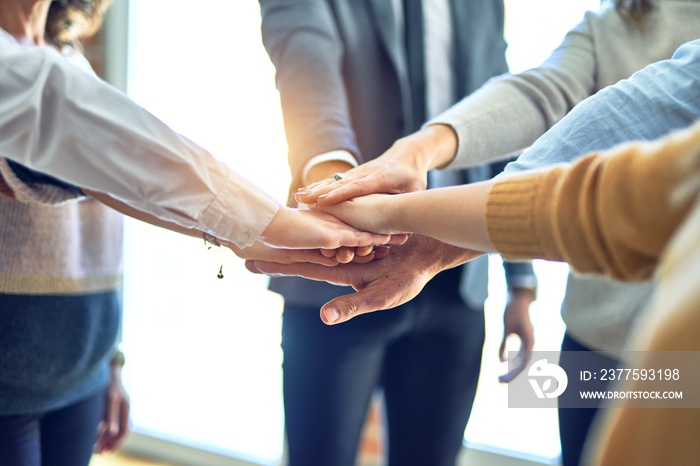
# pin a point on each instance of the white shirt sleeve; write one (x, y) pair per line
(341, 155)
(57, 119)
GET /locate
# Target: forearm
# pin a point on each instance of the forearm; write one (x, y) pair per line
(453, 215)
(606, 213)
(508, 113)
(433, 146)
(66, 123)
(662, 97)
(129, 211)
(493, 123)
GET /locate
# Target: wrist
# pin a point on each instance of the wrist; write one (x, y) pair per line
(271, 232)
(326, 169)
(441, 256)
(521, 293)
(389, 209)
(442, 142)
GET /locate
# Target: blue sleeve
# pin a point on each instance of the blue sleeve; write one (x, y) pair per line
(658, 99)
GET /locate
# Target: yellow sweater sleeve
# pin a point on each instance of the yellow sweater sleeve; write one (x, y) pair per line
(609, 212)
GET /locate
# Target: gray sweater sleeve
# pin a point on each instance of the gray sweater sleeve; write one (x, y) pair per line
(511, 111)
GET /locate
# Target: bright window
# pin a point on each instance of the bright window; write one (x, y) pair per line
(205, 358)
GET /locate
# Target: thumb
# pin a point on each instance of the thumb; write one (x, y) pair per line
(502, 348)
(346, 307)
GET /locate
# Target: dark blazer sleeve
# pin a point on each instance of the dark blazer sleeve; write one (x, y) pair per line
(303, 42)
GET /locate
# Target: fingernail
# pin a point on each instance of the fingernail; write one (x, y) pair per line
(323, 196)
(331, 314)
(302, 191)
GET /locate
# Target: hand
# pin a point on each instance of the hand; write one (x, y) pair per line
(403, 168)
(380, 284)
(345, 255)
(259, 251)
(325, 172)
(367, 213)
(114, 427)
(516, 321)
(289, 228)
(305, 229)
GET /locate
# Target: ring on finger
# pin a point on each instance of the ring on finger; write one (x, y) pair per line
(338, 176)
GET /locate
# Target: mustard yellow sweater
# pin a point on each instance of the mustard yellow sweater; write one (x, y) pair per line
(609, 212)
(631, 212)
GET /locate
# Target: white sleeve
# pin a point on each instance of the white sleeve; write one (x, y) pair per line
(57, 119)
(336, 155)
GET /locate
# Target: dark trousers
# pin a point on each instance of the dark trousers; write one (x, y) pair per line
(575, 423)
(424, 355)
(64, 437)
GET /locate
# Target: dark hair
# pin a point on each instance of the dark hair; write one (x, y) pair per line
(635, 11)
(70, 20)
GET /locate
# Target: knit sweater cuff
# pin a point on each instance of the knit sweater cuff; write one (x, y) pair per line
(42, 189)
(515, 207)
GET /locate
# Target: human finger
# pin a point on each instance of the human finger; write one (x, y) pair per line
(364, 250)
(261, 251)
(517, 365)
(345, 255)
(364, 301)
(380, 252)
(308, 194)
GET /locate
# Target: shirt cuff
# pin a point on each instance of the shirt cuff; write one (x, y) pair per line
(523, 281)
(241, 211)
(339, 155)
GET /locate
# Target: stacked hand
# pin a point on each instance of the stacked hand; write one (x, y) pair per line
(300, 229)
(401, 169)
(380, 284)
(353, 198)
(403, 272)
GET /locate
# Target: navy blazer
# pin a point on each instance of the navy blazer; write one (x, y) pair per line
(342, 76)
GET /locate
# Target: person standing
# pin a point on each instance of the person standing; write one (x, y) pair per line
(353, 77)
(61, 395)
(510, 112)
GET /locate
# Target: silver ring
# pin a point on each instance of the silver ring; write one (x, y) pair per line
(338, 176)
